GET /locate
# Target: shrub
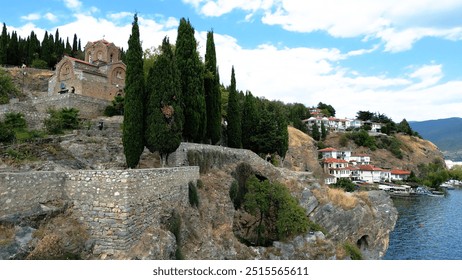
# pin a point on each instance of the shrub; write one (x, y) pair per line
(353, 251)
(193, 195)
(6, 134)
(66, 118)
(15, 121)
(174, 226)
(39, 63)
(116, 108)
(278, 213)
(345, 184)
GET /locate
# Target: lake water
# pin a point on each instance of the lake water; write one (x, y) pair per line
(428, 228)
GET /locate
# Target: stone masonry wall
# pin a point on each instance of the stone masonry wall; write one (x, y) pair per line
(35, 111)
(23, 193)
(115, 205)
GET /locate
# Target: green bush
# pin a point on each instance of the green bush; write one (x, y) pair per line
(39, 63)
(174, 226)
(345, 184)
(193, 195)
(353, 251)
(15, 121)
(66, 118)
(116, 108)
(6, 134)
(362, 138)
(279, 216)
(239, 187)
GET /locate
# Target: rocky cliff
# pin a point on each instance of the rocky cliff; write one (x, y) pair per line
(206, 231)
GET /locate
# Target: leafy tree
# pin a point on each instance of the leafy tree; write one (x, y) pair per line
(133, 128)
(212, 91)
(405, 128)
(327, 110)
(192, 83)
(234, 129)
(297, 113)
(364, 115)
(163, 113)
(278, 214)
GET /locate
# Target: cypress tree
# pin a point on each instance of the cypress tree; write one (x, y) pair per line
(212, 92)
(45, 52)
(13, 49)
(249, 121)
(234, 116)
(133, 127)
(3, 45)
(75, 46)
(68, 49)
(163, 112)
(192, 83)
(323, 131)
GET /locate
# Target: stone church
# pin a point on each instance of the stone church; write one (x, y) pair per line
(101, 75)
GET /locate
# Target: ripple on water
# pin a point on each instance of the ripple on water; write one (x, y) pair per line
(428, 228)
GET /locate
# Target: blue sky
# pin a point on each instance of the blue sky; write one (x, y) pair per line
(402, 58)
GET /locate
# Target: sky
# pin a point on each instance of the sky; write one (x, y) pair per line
(401, 58)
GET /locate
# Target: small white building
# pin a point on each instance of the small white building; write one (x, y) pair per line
(369, 173)
(360, 159)
(399, 175)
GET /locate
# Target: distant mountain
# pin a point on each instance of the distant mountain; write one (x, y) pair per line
(444, 133)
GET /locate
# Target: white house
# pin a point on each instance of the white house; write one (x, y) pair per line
(360, 159)
(328, 153)
(369, 173)
(399, 175)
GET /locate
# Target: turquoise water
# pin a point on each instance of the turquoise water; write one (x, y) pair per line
(428, 228)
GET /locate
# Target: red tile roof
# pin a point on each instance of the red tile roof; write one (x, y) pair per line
(400, 172)
(334, 160)
(327, 150)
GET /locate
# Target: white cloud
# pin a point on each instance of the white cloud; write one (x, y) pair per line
(73, 4)
(51, 17)
(399, 24)
(121, 15)
(32, 17)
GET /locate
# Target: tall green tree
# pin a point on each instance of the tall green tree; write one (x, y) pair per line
(13, 49)
(133, 127)
(163, 113)
(4, 45)
(315, 132)
(192, 83)
(212, 92)
(249, 121)
(234, 129)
